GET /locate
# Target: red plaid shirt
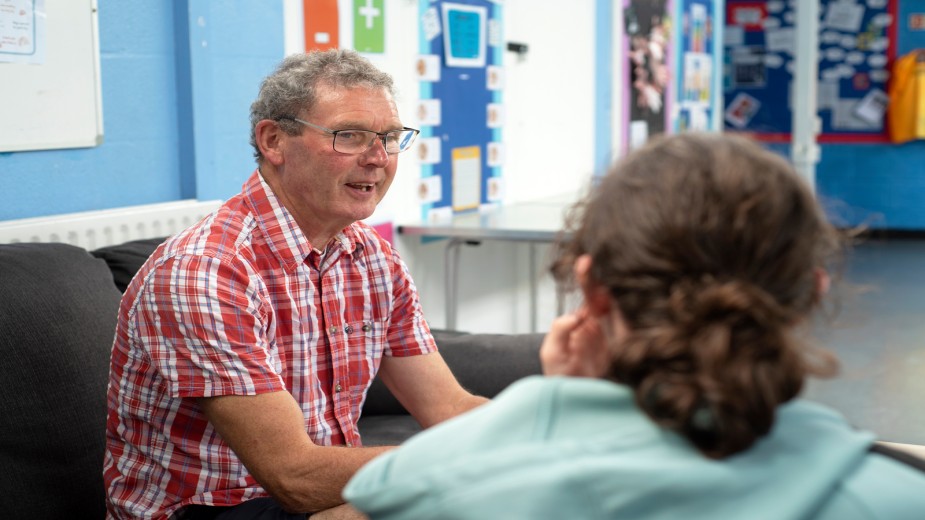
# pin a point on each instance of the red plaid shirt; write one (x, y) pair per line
(240, 304)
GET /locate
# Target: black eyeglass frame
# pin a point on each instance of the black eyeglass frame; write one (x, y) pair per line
(382, 136)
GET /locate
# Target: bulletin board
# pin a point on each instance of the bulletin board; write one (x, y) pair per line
(696, 59)
(646, 81)
(460, 109)
(856, 48)
(50, 93)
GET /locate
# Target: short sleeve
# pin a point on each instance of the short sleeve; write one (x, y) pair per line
(203, 323)
(409, 333)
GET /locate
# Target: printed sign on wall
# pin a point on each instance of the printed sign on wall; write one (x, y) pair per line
(369, 26)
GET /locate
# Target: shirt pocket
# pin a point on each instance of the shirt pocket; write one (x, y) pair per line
(366, 344)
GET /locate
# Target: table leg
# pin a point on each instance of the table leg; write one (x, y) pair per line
(451, 281)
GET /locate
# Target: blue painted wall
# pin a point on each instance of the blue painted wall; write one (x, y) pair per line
(177, 82)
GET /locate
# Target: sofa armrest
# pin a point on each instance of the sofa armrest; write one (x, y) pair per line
(57, 316)
(124, 260)
(485, 364)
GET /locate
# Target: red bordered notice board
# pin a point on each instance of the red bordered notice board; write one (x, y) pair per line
(856, 50)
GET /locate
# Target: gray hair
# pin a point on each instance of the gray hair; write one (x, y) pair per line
(292, 87)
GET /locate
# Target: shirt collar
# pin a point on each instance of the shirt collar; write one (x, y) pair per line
(283, 234)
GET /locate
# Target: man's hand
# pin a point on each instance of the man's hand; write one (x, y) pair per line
(575, 346)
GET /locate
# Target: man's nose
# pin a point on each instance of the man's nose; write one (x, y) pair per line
(376, 153)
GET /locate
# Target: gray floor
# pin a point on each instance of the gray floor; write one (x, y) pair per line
(879, 336)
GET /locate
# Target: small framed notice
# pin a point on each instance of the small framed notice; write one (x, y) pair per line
(467, 177)
(464, 35)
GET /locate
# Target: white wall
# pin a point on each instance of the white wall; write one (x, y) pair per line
(549, 109)
(549, 98)
(548, 138)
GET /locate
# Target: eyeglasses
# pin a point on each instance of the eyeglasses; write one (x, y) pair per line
(358, 141)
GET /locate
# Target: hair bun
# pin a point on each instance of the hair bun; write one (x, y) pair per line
(705, 302)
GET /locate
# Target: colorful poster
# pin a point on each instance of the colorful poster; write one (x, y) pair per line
(698, 77)
(369, 26)
(321, 24)
(648, 29)
(464, 35)
(698, 27)
(696, 69)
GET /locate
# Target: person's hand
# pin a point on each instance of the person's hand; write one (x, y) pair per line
(575, 346)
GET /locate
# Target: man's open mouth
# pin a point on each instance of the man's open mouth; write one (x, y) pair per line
(360, 186)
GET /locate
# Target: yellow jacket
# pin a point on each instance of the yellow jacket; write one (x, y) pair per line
(906, 111)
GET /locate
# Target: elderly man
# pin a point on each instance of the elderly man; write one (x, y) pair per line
(246, 344)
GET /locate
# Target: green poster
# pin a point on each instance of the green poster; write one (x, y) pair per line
(369, 25)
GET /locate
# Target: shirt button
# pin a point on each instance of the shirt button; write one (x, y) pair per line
(338, 388)
(367, 327)
(333, 330)
(348, 329)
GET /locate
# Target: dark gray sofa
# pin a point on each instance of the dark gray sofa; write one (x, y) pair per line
(58, 306)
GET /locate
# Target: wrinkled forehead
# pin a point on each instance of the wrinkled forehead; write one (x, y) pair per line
(326, 92)
(365, 102)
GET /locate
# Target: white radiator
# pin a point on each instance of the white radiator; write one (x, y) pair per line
(94, 229)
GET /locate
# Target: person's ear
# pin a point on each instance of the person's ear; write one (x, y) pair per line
(823, 282)
(270, 140)
(597, 297)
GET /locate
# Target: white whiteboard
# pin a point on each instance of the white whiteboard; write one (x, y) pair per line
(56, 103)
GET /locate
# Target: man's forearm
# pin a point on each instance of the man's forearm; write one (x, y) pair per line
(267, 433)
(460, 406)
(469, 402)
(313, 481)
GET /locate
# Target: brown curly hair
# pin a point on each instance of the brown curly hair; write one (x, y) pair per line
(709, 245)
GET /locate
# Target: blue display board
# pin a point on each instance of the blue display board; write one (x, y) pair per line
(856, 49)
(460, 107)
(696, 65)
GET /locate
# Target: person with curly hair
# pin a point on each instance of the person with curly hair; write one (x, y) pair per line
(673, 391)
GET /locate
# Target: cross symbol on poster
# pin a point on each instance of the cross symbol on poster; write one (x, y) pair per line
(369, 12)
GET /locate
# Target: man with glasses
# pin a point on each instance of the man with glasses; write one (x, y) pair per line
(246, 344)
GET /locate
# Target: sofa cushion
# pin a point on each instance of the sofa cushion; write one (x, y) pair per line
(387, 430)
(57, 317)
(126, 259)
(484, 364)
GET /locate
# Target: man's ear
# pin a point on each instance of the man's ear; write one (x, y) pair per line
(270, 140)
(597, 297)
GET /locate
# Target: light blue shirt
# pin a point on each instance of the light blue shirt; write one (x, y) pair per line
(580, 448)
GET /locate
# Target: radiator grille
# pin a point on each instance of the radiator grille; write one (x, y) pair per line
(94, 229)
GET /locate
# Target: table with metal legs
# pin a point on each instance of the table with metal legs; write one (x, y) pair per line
(534, 222)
